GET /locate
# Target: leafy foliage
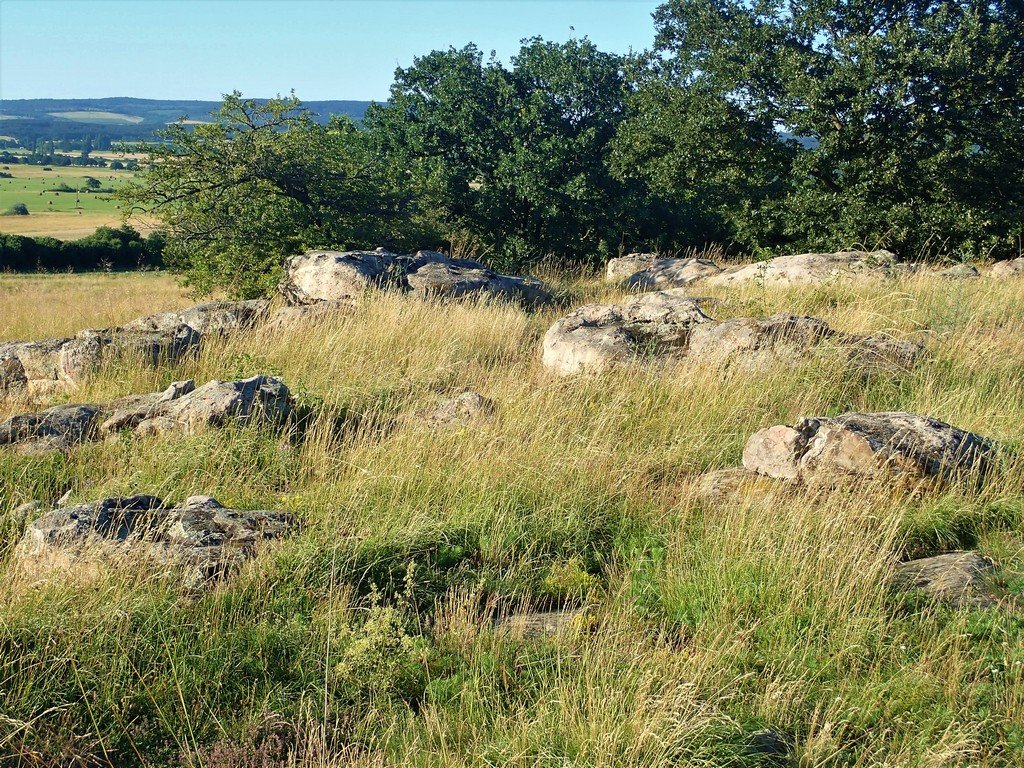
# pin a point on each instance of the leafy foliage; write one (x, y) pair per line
(261, 182)
(830, 123)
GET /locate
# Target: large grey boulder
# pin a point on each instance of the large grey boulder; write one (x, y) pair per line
(1008, 268)
(215, 317)
(809, 269)
(672, 273)
(263, 399)
(959, 272)
(200, 535)
(670, 324)
(181, 407)
(54, 429)
(866, 446)
(33, 369)
(339, 275)
(599, 337)
(959, 579)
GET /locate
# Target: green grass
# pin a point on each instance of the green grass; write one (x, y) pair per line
(99, 117)
(35, 188)
(368, 639)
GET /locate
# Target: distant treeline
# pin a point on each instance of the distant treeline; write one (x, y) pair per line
(106, 249)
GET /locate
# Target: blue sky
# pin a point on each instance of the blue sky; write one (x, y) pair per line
(324, 49)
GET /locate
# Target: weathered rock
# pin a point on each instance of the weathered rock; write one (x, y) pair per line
(865, 445)
(36, 368)
(215, 317)
(338, 275)
(200, 535)
(299, 314)
(960, 272)
(260, 398)
(620, 269)
(959, 579)
(672, 273)
(58, 428)
(724, 484)
(450, 280)
(598, 337)
(536, 624)
(1008, 268)
(748, 335)
(459, 411)
(669, 324)
(809, 269)
(180, 407)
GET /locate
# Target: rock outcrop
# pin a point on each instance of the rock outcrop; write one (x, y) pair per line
(959, 579)
(36, 369)
(959, 272)
(669, 324)
(809, 269)
(866, 446)
(598, 337)
(339, 275)
(200, 535)
(1008, 268)
(648, 272)
(181, 407)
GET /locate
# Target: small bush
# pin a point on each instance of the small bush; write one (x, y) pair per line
(18, 209)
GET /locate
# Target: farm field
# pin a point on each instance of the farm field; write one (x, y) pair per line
(752, 628)
(61, 214)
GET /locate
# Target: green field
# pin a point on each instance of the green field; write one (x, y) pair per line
(99, 117)
(59, 213)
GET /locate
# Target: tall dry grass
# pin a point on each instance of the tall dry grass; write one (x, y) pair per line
(368, 639)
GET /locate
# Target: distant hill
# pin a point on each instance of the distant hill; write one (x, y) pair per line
(122, 119)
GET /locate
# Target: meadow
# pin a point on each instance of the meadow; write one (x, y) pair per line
(61, 214)
(370, 637)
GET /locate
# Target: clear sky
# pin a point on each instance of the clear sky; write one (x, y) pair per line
(323, 49)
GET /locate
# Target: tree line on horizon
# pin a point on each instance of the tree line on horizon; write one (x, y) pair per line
(765, 125)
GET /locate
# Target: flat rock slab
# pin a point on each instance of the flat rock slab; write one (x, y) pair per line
(958, 579)
(809, 269)
(459, 411)
(210, 318)
(339, 275)
(866, 446)
(540, 624)
(671, 325)
(181, 407)
(200, 535)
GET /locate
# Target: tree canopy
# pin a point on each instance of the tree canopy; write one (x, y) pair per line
(828, 123)
(261, 182)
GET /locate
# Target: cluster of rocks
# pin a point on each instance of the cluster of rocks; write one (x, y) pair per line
(648, 271)
(181, 407)
(332, 276)
(894, 449)
(201, 537)
(669, 324)
(37, 369)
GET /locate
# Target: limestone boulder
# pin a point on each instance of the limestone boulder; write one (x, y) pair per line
(866, 446)
(54, 429)
(215, 317)
(339, 275)
(809, 269)
(32, 369)
(599, 337)
(1008, 268)
(304, 314)
(672, 273)
(620, 269)
(959, 579)
(200, 535)
(748, 335)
